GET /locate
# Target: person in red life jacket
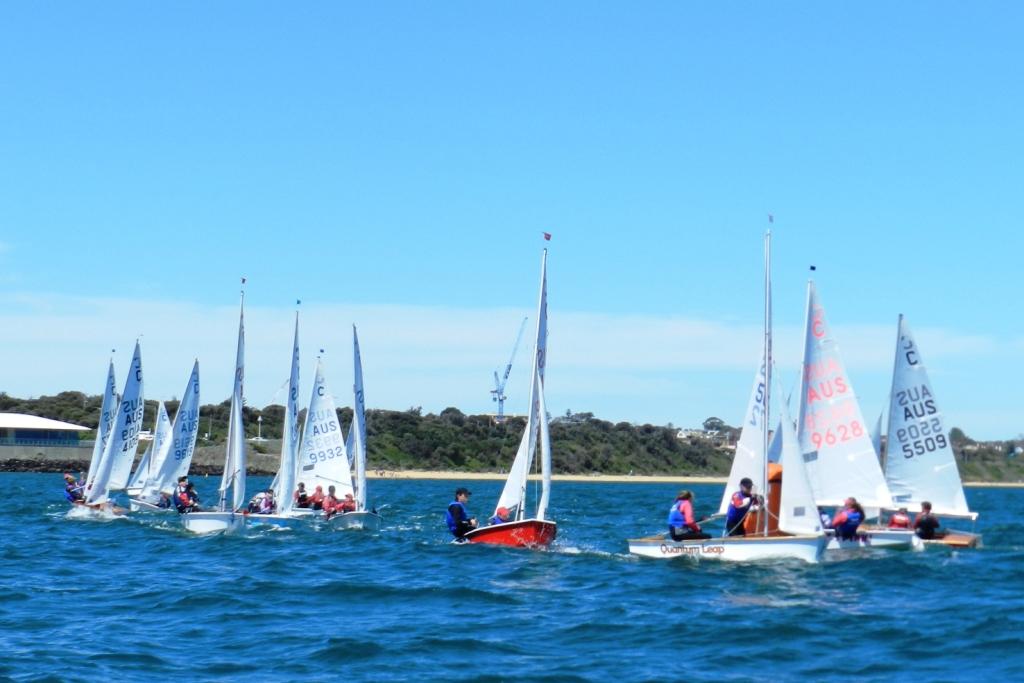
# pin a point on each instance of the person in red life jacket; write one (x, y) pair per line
(500, 516)
(74, 491)
(316, 501)
(457, 515)
(739, 506)
(300, 498)
(184, 499)
(848, 519)
(926, 524)
(330, 502)
(681, 524)
(346, 504)
(899, 520)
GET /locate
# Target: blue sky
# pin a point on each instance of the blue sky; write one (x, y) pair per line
(393, 165)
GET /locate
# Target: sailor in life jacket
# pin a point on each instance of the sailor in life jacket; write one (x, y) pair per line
(301, 498)
(182, 500)
(346, 504)
(457, 515)
(739, 506)
(74, 491)
(501, 516)
(681, 524)
(848, 519)
(900, 520)
(316, 501)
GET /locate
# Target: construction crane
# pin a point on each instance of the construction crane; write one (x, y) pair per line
(498, 392)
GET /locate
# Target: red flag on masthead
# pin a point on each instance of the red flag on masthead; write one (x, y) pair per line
(547, 236)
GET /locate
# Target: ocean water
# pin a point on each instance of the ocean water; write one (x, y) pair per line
(140, 600)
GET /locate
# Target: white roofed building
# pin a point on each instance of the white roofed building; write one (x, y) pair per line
(18, 429)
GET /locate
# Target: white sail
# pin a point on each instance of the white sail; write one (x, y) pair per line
(148, 464)
(798, 513)
(513, 495)
(749, 459)
(324, 461)
(545, 452)
(284, 483)
(235, 459)
(920, 465)
(108, 411)
(357, 432)
(834, 438)
(876, 435)
(175, 454)
(119, 453)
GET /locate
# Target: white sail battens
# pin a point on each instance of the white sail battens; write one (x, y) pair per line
(513, 495)
(108, 411)
(284, 483)
(175, 455)
(119, 451)
(798, 513)
(834, 438)
(324, 460)
(920, 465)
(235, 457)
(749, 459)
(357, 432)
(152, 458)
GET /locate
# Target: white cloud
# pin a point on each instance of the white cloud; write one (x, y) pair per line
(632, 367)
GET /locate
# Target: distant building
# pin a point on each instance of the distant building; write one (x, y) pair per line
(17, 429)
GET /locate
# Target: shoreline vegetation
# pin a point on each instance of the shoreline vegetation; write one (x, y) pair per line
(454, 445)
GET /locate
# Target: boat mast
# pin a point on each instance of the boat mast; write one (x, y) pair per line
(767, 367)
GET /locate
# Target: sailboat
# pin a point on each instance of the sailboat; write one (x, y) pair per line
(148, 463)
(283, 486)
(115, 463)
(323, 459)
(834, 438)
(537, 531)
(361, 518)
(108, 412)
(228, 517)
(791, 529)
(174, 456)
(920, 465)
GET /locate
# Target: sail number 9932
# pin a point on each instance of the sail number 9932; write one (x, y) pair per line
(918, 439)
(328, 454)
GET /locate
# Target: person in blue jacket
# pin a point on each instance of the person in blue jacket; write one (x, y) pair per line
(457, 516)
(739, 507)
(74, 491)
(848, 519)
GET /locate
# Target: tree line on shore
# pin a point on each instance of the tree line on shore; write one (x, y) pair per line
(454, 441)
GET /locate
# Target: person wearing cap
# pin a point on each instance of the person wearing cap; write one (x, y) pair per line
(500, 516)
(739, 507)
(74, 491)
(900, 520)
(346, 504)
(457, 516)
(681, 524)
(926, 524)
(848, 519)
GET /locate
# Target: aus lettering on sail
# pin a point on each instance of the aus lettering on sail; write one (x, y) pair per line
(185, 444)
(133, 410)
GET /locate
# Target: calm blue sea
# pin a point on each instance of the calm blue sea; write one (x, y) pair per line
(139, 600)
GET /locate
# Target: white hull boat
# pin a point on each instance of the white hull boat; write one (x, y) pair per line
(288, 520)
(213, 522)
(137, 505)
(807, 548)
(867, 537)
(364, 519)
